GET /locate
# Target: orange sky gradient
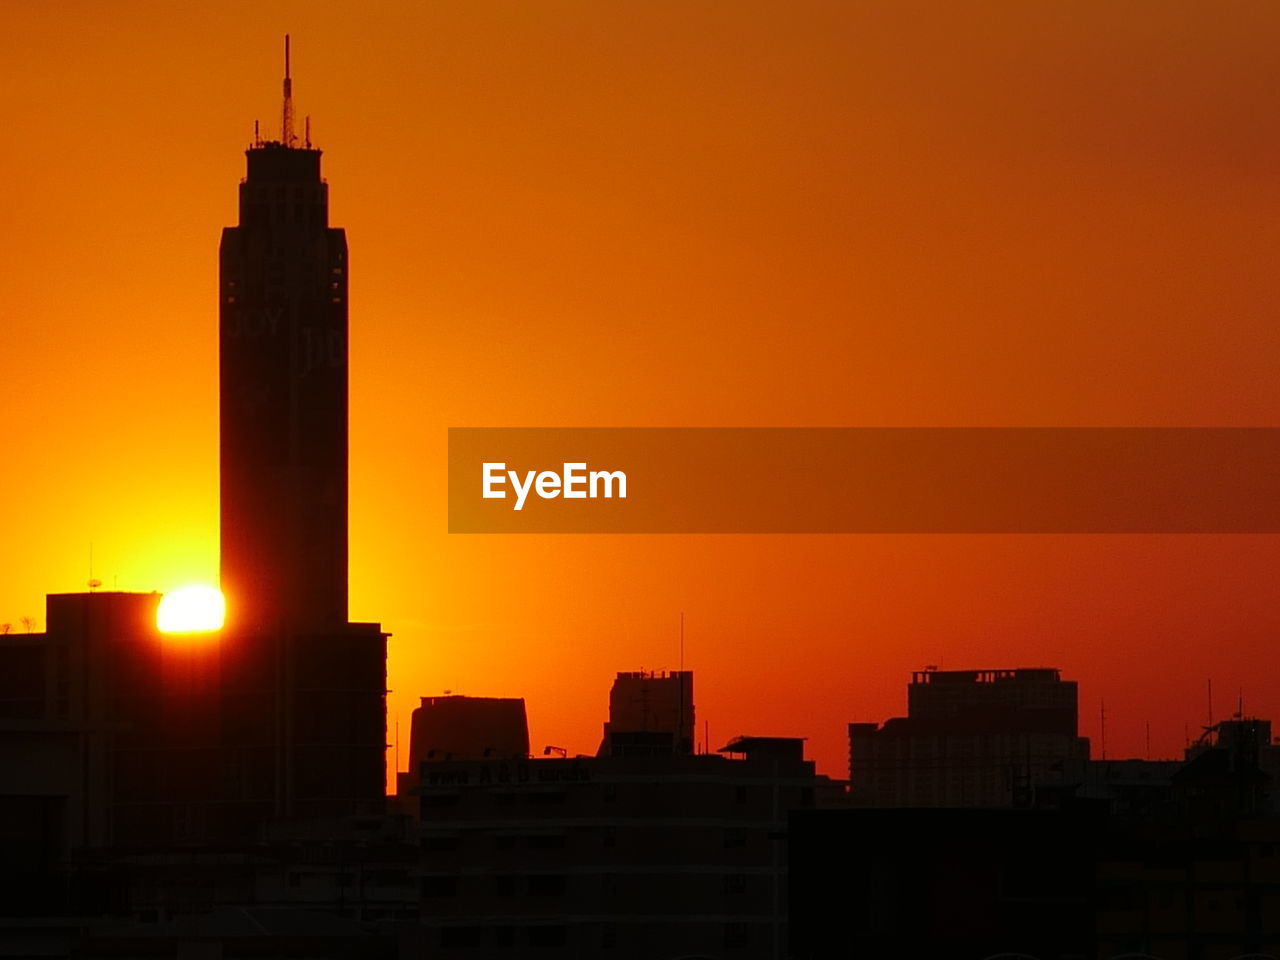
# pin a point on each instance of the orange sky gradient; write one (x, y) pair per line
(669, 214)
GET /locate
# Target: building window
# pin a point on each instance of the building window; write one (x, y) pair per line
(735, 883)
(546, 842)
(548, 936)
(546, 885)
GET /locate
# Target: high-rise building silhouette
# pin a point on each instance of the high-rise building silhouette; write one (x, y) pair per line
(303, 690)
(283, 378)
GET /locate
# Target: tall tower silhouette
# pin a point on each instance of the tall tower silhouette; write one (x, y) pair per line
(283, 373)
(303, 691)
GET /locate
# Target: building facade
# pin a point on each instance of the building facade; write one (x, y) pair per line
(650, 712)
(618, 856)
(971, 738)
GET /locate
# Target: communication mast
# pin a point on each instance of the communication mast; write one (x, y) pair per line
(286, 113)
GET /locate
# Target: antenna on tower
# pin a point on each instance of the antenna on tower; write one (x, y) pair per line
(1103, 712)
(306, 139)
(286, 118)
(94, 582)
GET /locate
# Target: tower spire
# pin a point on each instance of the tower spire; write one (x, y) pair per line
(286, 124)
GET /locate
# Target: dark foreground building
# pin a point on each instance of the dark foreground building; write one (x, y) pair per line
(1164, 860)
(645, 850)
(639, 856)
(960, 884)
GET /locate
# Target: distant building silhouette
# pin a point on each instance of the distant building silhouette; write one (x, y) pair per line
(107, 733)
(650, 713)
(464, 728)
(626, 855)
(971, 738)
(1233, 771)
(1199, 874)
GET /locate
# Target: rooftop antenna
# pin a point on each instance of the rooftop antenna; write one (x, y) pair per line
(94, 582)
(286, 124)
(1103, 712)
(306, 126)
(683, 681)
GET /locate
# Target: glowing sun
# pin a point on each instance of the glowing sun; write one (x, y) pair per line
(195, 609)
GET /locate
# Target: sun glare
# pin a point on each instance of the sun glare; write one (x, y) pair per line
(195, 609)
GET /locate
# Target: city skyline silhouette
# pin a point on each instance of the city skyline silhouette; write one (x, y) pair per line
(246, 791)
(492, 249)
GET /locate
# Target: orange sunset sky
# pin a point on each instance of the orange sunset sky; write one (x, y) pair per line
(669, 214)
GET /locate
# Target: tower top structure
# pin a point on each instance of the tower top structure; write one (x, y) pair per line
(288, 137)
